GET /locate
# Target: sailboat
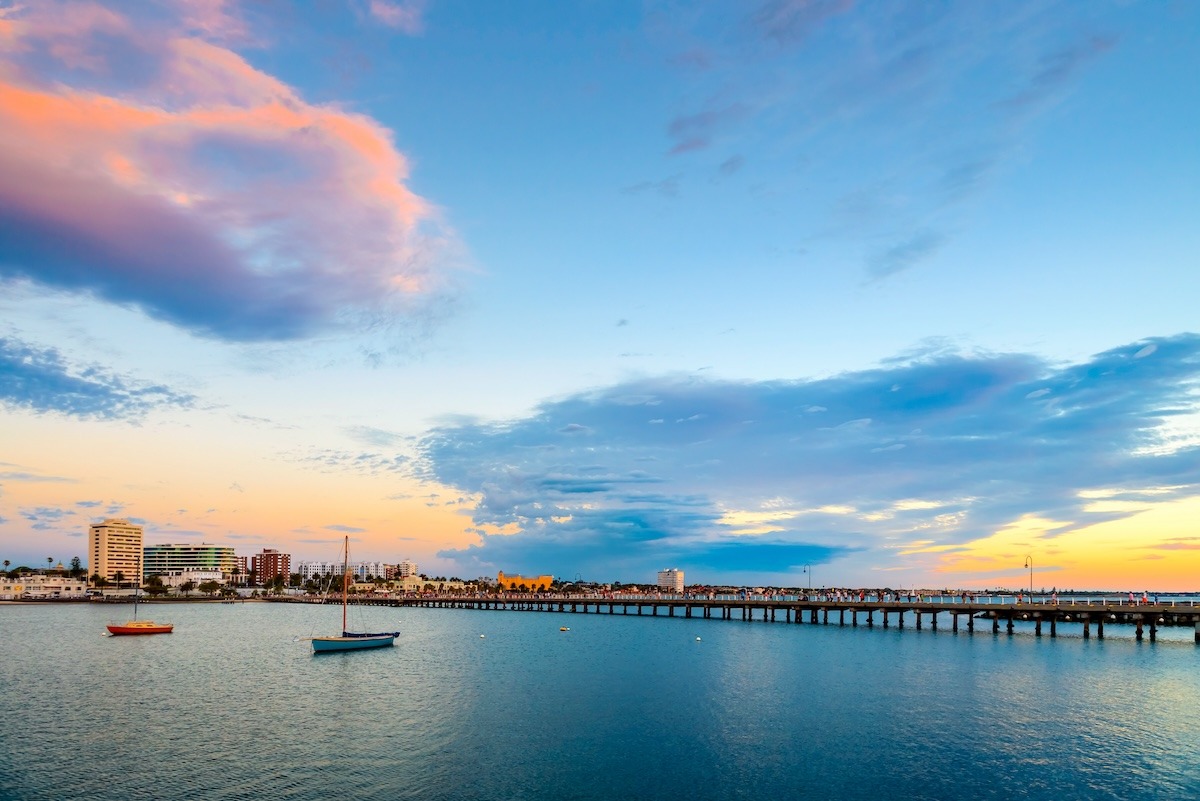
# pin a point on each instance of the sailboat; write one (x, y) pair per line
(136, 626)
(351, 640)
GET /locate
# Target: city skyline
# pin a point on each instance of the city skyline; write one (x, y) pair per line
(769, 292)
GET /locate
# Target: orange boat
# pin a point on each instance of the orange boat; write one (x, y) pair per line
(140, 627)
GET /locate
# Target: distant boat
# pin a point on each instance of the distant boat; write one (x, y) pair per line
(352, 640)
(136, 626)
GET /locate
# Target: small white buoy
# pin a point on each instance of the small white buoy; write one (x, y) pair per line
(697, 639)
(481, 636)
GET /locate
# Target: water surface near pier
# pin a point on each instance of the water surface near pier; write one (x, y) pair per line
(230, 706)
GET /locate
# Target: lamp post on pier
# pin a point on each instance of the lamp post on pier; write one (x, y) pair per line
(808, 570)
(1029, 564)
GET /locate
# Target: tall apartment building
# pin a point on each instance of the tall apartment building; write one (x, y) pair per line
(171, 560)
(270, 564)
(406, 569)
(115, 546)
(670, 579)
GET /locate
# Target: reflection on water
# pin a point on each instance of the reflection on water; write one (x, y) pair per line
(231, 706)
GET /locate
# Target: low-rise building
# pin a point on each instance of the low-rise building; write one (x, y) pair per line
(37, 587)
(531, 583)
(197, 577)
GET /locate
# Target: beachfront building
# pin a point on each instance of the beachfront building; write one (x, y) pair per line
(406, 568)
(37, 587)
(531, 583)
(362, 571)
(670, 580)
(174, 560)
(271, 564)
(197, 577)
(115, 546)
(416, 584)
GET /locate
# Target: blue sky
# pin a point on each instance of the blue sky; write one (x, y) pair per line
(896, 294)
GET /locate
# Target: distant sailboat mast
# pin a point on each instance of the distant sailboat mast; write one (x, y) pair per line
(345, 583)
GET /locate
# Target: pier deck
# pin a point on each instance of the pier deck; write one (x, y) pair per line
(1045, 617)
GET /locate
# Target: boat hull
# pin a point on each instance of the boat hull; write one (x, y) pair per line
(140, 627)
(327, 644)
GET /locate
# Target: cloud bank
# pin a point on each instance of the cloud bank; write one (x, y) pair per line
(42, 381)
(760, 479)
(146, 164)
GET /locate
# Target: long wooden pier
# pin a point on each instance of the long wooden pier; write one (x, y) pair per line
(1045, 617)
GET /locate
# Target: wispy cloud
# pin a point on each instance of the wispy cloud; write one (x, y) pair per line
(329, 460)
(44, 518)
(791, 22)
(667, 187)
(406, 16)
(887, 91)
(905, 254)
(696, 131)
(42, 381)
(148, 165)
(949, 446)
(375, 437)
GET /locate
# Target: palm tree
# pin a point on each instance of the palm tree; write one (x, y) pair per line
(49, 563)
(6, 564)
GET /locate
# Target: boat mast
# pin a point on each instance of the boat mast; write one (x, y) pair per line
(345, 582)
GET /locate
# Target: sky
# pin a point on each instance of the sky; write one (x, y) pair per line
(781, 292)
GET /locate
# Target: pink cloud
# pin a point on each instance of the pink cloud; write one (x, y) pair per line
(403, 16)
(215, 19)
(212, 196)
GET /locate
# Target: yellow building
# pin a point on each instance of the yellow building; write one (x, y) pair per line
(515, 582)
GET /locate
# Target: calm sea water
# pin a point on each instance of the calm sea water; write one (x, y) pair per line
(230, 706)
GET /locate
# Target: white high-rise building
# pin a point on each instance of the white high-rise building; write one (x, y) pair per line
(115, 546)
(670, 579)
(406, 569)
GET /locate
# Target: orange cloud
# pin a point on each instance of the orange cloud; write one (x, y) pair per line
(305, 204)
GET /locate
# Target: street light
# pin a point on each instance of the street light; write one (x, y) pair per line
(1029, 564)
(808, 570)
